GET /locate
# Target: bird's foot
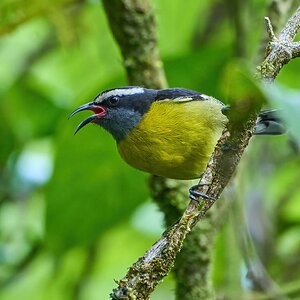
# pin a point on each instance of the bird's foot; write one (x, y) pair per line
(194, 193)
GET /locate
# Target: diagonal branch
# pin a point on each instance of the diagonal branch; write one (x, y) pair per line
(143, 276)
(282, 49)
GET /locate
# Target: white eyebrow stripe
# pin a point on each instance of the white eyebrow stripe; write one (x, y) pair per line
(119, 92)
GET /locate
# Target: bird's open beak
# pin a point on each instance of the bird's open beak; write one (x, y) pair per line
(99, 111)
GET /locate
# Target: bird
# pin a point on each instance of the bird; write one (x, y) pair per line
(168, 132)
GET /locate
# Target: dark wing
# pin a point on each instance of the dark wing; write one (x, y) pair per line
(179, 94)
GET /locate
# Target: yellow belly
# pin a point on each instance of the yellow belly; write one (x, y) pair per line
(174, 140)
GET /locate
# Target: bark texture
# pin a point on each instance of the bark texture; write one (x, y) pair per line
(133, 25)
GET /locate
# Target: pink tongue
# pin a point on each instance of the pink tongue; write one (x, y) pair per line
(99, 111)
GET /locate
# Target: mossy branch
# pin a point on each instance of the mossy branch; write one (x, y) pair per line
(144, 67)
(133, 25)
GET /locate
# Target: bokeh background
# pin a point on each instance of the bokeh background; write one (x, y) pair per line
(73, 216)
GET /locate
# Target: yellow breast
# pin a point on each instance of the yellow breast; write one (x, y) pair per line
(174, 140)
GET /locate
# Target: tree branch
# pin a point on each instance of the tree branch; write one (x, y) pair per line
(282, 49)
(133, 25)
(147, 272)
(278, 11)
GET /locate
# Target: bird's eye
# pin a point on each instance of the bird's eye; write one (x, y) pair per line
(113, 101)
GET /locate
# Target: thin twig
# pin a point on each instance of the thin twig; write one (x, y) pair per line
(270, 31)
(291, 28)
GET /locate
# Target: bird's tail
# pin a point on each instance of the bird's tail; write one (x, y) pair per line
(269, 123)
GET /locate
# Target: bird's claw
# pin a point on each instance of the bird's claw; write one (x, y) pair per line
(194, 193)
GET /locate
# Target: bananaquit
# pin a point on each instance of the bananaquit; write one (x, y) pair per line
(169, 132)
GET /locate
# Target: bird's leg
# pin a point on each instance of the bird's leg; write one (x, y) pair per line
(194, 193)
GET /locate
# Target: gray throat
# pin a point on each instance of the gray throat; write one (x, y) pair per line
(120, 122)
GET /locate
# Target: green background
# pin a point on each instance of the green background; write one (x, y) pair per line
(73, 215)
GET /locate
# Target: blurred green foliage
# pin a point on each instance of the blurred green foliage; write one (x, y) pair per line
(71, 212)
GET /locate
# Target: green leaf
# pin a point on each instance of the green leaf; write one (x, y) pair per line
(238, 84)
(91, 189)
(8, 140)
(194, 71)
(288, 101)
(29, 113)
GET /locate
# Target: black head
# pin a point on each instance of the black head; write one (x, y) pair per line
(118, 110)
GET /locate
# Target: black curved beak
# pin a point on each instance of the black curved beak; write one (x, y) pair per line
(99, 111)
